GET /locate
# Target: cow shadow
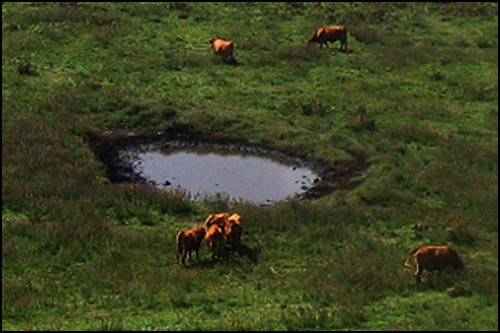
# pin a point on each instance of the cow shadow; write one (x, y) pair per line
(232, 61)
(336, 50)
(244, 250)
(448, 281)
(229, 61)
(230, 256)
(207, 263)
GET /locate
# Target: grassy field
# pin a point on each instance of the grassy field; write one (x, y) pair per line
(417, 94)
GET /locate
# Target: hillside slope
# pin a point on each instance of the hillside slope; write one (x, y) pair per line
(417, 93)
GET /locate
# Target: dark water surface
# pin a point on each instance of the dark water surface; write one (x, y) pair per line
(233, 175)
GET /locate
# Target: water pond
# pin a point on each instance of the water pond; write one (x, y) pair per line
(204, 171)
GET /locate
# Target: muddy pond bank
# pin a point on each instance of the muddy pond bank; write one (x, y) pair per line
(205, 166)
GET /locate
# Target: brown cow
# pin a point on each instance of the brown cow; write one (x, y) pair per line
(216, 240)
(330, 34)
(433, 258)
(223, 48)
(218, 219)
(233, 229)
(235, 218)
(189, 240)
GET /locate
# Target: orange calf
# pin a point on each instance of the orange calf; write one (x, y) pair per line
(189, 240)
(215, 241)
(222, 48)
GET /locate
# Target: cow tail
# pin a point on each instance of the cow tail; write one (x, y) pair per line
(178, 240)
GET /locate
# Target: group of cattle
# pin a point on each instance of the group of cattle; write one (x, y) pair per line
(219, 231)
(224, 48)
(223, 229)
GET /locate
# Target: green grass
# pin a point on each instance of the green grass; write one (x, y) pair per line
(418, 95)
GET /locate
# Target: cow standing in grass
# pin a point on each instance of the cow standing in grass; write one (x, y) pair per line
(189, 240)
(330, 34)
(216, 241)
(433, 258)
(223, 48)
(233, 230)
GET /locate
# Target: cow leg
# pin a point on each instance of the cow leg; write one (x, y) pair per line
(439, 273)
(218, 251)
(213, 252)
(418, 273)
(183, 256)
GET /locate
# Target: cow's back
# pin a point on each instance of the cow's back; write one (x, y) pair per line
(218, 219)
(452, 259)
(434, 258)
(335, 33)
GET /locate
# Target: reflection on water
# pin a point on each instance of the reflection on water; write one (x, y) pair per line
(236, 176)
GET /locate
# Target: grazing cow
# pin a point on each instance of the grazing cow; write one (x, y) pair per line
(233, 229)
(433, 258)
(189, 240)
(216, 240)
(223, 48)
(330, 34)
